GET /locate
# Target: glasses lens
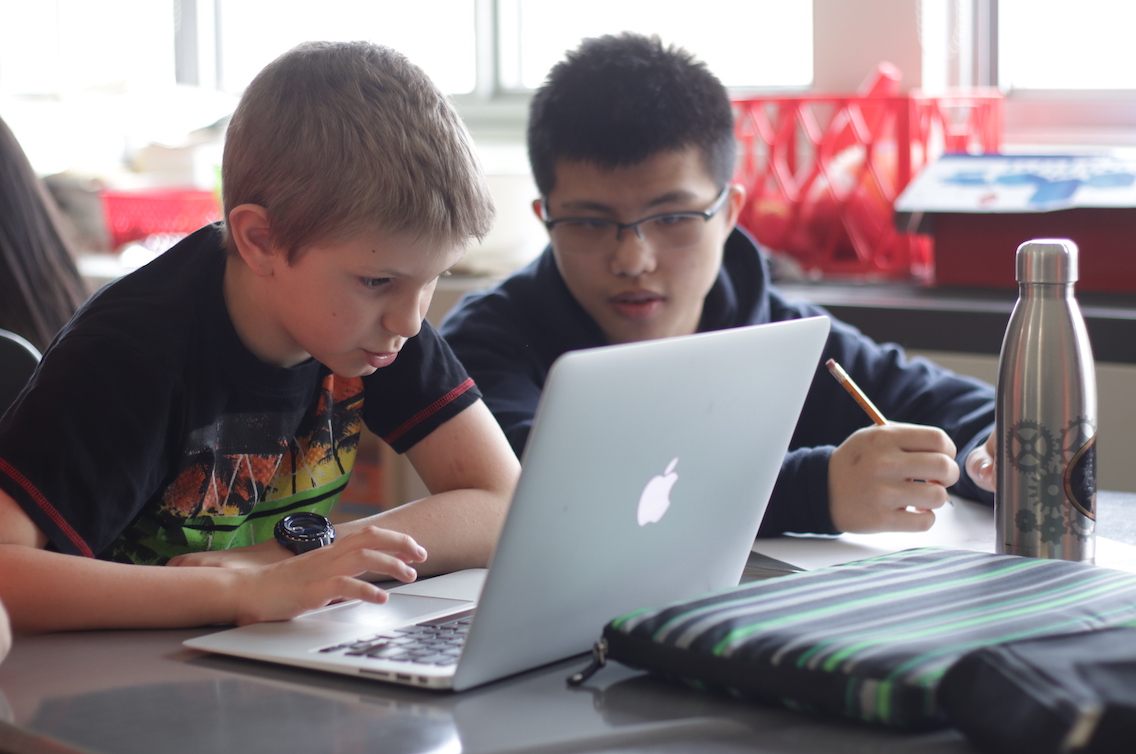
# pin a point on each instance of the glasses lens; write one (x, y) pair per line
(674, 231)
(670, 232)
(584, 235)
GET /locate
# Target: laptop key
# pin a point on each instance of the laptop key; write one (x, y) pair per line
(426, 643)
(433, 659)
(383, 651)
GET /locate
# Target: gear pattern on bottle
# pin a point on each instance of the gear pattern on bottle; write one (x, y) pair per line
(1046, 414)
(1059, 477)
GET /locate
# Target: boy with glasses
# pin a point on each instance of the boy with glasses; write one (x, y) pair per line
(632, 148)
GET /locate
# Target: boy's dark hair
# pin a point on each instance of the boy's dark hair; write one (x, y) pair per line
(617, 100)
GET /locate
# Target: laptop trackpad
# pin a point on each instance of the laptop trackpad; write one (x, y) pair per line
(399, 609)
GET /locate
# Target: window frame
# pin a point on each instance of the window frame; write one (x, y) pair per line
(1031, 117)
(1058, 117)
(491, 110)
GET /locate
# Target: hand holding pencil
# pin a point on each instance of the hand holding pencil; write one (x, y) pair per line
(877, 476)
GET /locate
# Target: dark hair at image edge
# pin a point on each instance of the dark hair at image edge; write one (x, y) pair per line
(617, 100)
(40, 285)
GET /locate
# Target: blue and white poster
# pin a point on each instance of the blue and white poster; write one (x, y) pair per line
(1034, 183)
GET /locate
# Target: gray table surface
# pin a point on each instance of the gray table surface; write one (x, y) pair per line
(141, 691)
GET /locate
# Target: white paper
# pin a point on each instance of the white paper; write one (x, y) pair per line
(961, 524)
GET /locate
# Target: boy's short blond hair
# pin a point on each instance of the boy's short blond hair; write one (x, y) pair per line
(336, 138)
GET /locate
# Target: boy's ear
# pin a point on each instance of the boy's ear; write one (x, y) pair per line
(735, 204)
(248, 225)
(537, 208)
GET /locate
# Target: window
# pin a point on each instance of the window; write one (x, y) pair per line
(438, 36)
(76, 45)
(77, 84)
(1068, 70)
(734, 38)
(518, 40)
(79, 77)
(84, 84)
(1058, 44)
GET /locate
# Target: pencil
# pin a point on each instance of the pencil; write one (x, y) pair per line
(855, 391)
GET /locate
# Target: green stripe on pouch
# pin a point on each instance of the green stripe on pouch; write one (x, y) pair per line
(738, 635)
(986, 617)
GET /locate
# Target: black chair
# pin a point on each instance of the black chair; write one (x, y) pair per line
(18, 359)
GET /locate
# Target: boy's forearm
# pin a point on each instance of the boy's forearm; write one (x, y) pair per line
(459, 529)
(469, 462)
(48, 591)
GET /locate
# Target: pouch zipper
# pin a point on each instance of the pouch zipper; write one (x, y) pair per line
(599, 659)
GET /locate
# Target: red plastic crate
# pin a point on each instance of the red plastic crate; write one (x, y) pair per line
(134, 215)
(823, 172)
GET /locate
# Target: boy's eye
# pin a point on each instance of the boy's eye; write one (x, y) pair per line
(674, 218)
(375, 282)
(587, 223)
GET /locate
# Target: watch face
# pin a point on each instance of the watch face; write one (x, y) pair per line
(304, 531)
(305, 524)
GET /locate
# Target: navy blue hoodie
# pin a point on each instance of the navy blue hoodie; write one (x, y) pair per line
(508, 337)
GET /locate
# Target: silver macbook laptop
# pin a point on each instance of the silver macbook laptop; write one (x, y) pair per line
(644, 481)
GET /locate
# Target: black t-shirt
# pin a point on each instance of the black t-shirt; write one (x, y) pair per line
(149, 430)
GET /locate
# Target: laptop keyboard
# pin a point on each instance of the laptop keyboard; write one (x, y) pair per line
(432, 643)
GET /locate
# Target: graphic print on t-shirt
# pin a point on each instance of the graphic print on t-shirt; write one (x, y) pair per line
(241, 474)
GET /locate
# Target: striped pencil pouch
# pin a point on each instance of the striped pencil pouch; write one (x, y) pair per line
(867, 640)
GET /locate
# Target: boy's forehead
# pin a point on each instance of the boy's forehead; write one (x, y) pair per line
(393, 251)
(676, 174)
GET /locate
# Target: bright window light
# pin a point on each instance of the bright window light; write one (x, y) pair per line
(75, 45)
(438, 36)
(746, 43)
(1058, 44)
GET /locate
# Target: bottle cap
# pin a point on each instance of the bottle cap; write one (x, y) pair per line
(1047, 260)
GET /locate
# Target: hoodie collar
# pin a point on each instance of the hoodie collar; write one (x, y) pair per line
(740, 295)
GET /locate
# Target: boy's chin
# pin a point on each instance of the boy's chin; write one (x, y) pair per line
(351, 370)
(352, 364)
(364, 371)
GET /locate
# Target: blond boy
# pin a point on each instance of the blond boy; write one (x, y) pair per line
(190, 406)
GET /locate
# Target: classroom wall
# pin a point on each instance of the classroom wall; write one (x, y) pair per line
(891, 26)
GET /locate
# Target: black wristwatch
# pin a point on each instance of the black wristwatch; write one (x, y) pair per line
(304, 531)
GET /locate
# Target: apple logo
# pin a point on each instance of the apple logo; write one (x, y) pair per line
(656, 497)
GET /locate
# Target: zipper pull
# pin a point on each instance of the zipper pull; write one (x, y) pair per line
(599, 659)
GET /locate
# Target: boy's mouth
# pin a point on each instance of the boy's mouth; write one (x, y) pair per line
(637, 304)
(380, 359)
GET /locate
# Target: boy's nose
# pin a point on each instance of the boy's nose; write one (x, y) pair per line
(404, 317)
(633, 256)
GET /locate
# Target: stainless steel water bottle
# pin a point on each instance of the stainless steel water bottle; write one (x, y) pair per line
(1046, 414)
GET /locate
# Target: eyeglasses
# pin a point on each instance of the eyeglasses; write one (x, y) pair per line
(669, 231)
